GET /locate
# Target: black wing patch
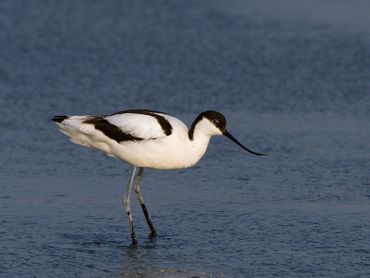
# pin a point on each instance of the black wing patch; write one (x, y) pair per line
(111, 131)
(166, 126)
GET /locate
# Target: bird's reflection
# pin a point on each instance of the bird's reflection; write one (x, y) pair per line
(139, 262)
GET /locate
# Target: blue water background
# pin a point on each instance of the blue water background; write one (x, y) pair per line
(292, 80)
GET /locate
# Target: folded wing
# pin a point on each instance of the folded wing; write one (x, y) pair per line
(130, 126)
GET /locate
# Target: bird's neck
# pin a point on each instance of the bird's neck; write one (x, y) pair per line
(199, 135)
(194, 126)
(197, 144)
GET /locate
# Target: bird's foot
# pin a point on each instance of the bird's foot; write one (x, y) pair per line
(134, 239)
(152, 235)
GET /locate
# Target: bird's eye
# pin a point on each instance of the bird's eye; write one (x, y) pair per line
(215, 121)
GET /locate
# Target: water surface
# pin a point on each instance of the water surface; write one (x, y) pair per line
(296, 88)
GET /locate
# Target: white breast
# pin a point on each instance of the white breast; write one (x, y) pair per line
(171, 152)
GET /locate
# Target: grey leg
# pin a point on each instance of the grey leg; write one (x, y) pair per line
(126, 202)
(140, 198)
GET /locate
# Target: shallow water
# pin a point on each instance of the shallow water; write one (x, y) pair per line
(296, 89)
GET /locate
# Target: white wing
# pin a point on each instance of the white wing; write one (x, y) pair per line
(144, 126)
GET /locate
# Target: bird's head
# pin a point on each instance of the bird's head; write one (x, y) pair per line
(214, 123)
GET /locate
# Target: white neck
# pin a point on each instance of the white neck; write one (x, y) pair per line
(198, 141)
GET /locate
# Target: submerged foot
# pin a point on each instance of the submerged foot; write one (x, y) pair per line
(152, 235)
(134, 239)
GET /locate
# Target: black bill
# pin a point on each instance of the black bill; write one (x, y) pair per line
(232, 138)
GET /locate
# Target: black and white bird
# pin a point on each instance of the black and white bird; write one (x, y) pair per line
(146, 139)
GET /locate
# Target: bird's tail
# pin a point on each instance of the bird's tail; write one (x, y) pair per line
(59, 119)
(74, 127)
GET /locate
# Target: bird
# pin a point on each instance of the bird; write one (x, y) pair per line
(146, 139)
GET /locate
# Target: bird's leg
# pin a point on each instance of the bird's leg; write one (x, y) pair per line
(126, 202)
(140, 198)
